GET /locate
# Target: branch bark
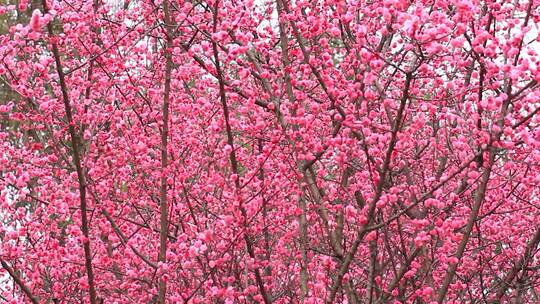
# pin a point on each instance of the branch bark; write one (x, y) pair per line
(519, 265)
(232, 156)
(164, 208)
(302, 204)
(76, 146)
(19, 282)
(386, 166)
(479, 198)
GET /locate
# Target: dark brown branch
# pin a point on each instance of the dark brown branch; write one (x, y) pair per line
(232, 155)
(163, 203)
(519, 265)
(380, 186)
(19, 282)
(76, 145)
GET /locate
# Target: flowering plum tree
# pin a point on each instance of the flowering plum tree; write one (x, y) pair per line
(271, 151)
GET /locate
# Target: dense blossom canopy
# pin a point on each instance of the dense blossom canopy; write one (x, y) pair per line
(270, 151)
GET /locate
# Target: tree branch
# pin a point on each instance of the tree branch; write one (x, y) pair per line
(76, 145)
